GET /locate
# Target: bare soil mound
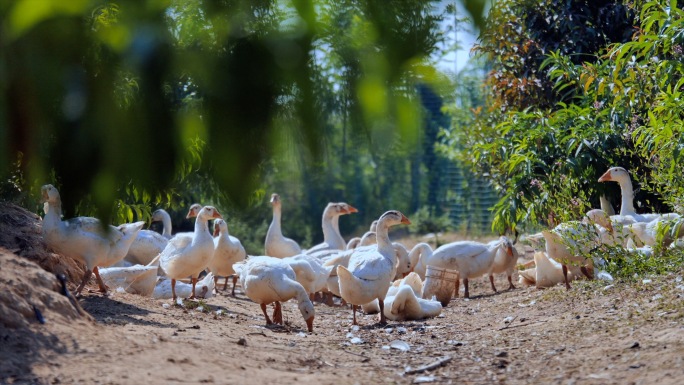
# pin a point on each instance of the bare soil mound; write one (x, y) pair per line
(20, 233)
(34, 317)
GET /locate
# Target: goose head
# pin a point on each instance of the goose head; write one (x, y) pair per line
(369, 238)
(507, 246)
(599, 217)
(50, 194)
(194, 210)
(158, 215)
(275, 200)
(209, 212)
(307, 310)
(374, 226)
(393, 218)
(615, 174)
(220, 226)
(346, 208)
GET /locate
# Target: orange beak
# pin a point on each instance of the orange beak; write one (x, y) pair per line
(191, 214)
(351, 210)
(217, 215)
(605, 177)
(405, 274)
(405, 220)
(216, 231)
(309, 324)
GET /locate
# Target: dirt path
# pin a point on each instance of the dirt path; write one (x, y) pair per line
(620, 334)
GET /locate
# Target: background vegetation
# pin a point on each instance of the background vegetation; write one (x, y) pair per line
(138, 105)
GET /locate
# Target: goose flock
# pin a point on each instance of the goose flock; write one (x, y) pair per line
(371, 273)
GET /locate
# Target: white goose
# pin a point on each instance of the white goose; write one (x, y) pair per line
(185, 256)
(407, 305)
(412, 280)
(276, 245)
(648, 233)
(341, 258)
(267, 280)
(371, 271)
(179, 237)
(569, 243)
(471, 259)
(84, 238)
(621, 176)
(332, 239)
(227, 251)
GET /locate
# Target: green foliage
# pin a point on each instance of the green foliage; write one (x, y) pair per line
(625, 265)
(130, 106)
(555, 123)
(423, 222)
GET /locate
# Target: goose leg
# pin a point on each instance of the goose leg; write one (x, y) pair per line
(263, 309)
(466, 294)
(235, 277)
(216, 283)
(225, 284)
(491, 280)
(586, 272)
(278, 314)
(565, 276)
(86, 277)
(329, 299)
(458, 283)
(194, 284)
(100, 283)
(354, 315)
(383, 319)
(510, 283)
(173, 289)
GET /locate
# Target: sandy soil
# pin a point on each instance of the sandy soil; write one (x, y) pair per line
(594, 334)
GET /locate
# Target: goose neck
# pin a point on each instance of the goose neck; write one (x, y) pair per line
(166, 224)
(201, 228)
(276, 215)
(627, 192)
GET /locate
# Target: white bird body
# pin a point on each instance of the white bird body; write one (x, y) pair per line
(146, 246)
(228, 250)
(276, 245)
(267, 280)
(647, 233)
(84, 238)
(135, 279)
(473, 259)
(569, 244)
(204, 288)
(371, 270)
(412, 280)
(319, 271)
(332, 238)
(187, 257)
(407, 305)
